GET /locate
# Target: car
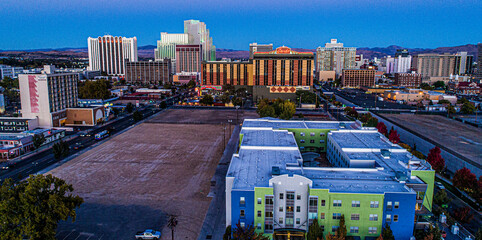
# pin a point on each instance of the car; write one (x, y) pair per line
(148, 234)
(85, 134)
(6, 165)
(78, 146)
(440, 185)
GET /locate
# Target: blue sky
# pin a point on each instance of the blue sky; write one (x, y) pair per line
(33, 24)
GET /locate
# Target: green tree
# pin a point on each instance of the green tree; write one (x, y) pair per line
(387, 233)
(129, 107)
(304, 96)
(191, 84)
(227, 233)
(224, 98)
(439, 84)
(467, 108)
(314, 231)
(237, 101)
(341, 231)
(444, 101)
(137, 116)
(425, 86)
(441, 198)
(60, 149)
(288, 110)
(98, 89)
(266, 111)
(247, 233)
(207, 99)
(450, 110)
(38, 140)
(31, 209)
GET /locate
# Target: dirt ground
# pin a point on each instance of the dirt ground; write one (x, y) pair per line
(133, 181)
(203, 116)
(460, 137)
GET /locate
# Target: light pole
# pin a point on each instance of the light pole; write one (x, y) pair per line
(237, 107)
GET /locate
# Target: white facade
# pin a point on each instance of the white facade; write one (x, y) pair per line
(109, 54)
(166, 47)
(335, 57)
(388, 64)
(402, 64)
(199, 34)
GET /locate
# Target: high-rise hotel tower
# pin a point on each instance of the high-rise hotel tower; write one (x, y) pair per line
(109, 54)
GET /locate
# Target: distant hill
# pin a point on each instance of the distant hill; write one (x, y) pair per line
(146, 52)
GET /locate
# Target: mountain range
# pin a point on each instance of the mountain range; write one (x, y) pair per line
(146, 52)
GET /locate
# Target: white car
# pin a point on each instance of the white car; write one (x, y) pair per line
(439, 185)
(149, 234)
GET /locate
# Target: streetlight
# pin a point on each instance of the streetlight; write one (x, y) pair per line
(237, 107)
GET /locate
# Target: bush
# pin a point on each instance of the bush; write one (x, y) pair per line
(406, 146)
(418, 154)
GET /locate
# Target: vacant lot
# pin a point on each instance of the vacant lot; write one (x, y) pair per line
(459, 137)
(135, 180)
(203, 116)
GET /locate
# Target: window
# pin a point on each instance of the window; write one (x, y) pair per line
(298, 209)
(280, 220)
(374, 204)
(302, 140)
(259, 213)
(281, 209)
(336, 203)
(372, 230)
(389, 205)
(242, 224)
(269, 200)
(241, 213)
(355, 203)
(242, 201)
(355, 216)
(322, 215)
(397, 205)
(298, 221)
(280, 196)
(290, 196)
(312, 141)
(373, 217)
(334, 228)
(298, 197)
(313, 202)
(268, 227)
(322, 134)
(268, 214)
(312, 215)
(302, 134)
(322, 203)
(289, 221)
(289, 209)
(259, 226)
(353, 229)
(259, 200)
(336, 216)
(395, 218)
(322, 141)
(388, 218)
(312, 134)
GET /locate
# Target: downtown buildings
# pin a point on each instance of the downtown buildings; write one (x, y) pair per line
(109, 54)
(273, 183)
(149, 72)
(355, 78)
(335, 57)
(442, 65)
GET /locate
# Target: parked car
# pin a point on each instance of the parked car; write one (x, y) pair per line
(78, 146)
(6, 165)
(148, 234)
(439, 185)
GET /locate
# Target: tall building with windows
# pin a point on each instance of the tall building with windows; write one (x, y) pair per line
(149, 72)
(463, 63)
(354, 78)
(166, 47)
(46, 96)
(402, 62)
(335, 57)
(370, 181)
(199, 34)
(434, 65)
(109, 54)
(188, 58)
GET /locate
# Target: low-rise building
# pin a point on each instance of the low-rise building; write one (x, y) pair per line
(372, 182)
(149, 72)
(326, 76)
(412, 80)
(17, 124)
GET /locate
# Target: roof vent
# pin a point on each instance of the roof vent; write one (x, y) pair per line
(275, 171)
(385, 153)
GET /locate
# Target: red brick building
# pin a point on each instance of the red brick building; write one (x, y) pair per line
(355, 78)
(408, 79)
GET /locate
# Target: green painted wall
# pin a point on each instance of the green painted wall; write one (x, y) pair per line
(346, 209)
(240, 141)
(428, 177)
(261, 192)
(307, 144)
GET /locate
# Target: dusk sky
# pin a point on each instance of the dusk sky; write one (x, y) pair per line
(33, 24)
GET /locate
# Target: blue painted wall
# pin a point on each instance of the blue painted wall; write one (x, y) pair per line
(403, 229)
(236, 207)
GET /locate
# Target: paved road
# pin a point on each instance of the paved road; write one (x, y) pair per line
(214, 224)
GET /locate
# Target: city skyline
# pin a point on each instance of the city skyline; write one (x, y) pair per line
(31, 25)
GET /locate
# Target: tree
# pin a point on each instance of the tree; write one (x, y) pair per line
(372, 122)
(207, 100)
(439, 84)
(450, 110)
(129, 107)
(98, 89)
(224, 98)
(60, 149)
(347, 110)
(227, 233)
(191, 84)
(247, 233)
(237, 101)
(304, 96)
(137, 116)
(341, 231)
(478, 235)
(393, 136)
(353, 113)
(462, 100)
(425, 86)
(333, 98)
(38, 140)
(463, 214)
(464, 179)
(314, 231)
(163, 104)
(441, 198)
(172, 223)
(444, 101)
(289, 109)
(435, 159)
(31, 209)
(387, 233)
(382, 128)
(467, 108)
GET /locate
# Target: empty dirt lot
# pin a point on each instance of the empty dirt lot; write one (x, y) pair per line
(197, 115)
(134, 180)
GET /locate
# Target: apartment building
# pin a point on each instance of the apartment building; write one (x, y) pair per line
(335, 57)
(109, 54)
(149, 72)
(408, 79)
(355, 78)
